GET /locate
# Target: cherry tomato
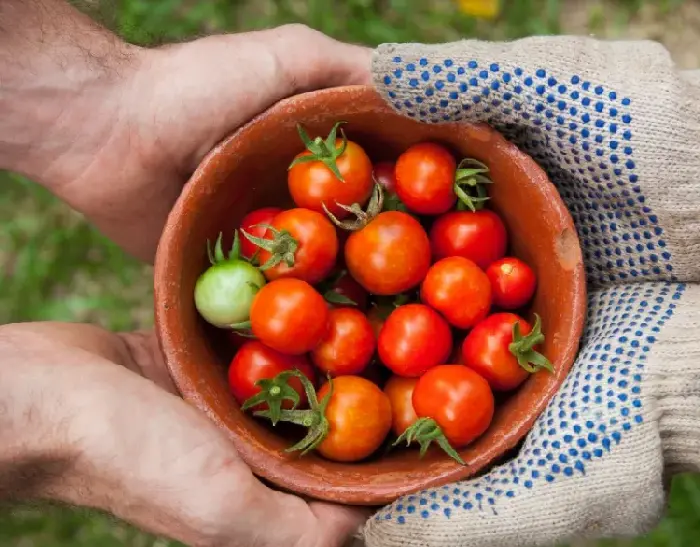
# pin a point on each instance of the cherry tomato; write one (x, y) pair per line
(413, 339)
(458, 399)
(255, 361)
(348, 345)
(251, 223)
(316, 246)
(459, 290)
(400, 393)
(425, 178)
(289, 315)
(390, 255)
(224, 293)
(486, 350)
(479, 236)
(359, 415)
(513, 283)
(313, 184)
(385, 175)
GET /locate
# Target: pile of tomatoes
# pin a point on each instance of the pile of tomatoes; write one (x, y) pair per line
(384, 302)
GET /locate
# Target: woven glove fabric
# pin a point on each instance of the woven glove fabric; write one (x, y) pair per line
(617, 128)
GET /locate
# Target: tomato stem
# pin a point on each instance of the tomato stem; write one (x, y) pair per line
(218, 256)
(282, 247)
(391, 199)
(522, 347)
(469, 184)
(273, 392)
(314, 418)
(363, 218)
(424, 431)
(324, 151)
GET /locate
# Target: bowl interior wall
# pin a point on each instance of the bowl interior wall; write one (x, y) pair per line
(250, 171)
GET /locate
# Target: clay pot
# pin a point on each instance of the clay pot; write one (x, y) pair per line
(249, 170)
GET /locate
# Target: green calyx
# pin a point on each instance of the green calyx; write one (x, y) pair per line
(362, 217)
(522, 347)
(282, 246)
(321, 150)
(391, 200)
(274, 392)
(313, 419)
(470, 179)
(393, 203)
(332, 296)
(218, 256)
(424, 431)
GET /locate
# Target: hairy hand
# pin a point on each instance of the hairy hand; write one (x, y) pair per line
(116, 130)
(89, 418)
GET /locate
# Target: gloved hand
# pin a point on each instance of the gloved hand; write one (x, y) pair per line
(617, 128)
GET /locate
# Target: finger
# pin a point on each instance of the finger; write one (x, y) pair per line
(310, 60)
(339, 523)
(145, 357)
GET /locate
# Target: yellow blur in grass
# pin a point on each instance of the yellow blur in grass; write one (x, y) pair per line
(484, 9)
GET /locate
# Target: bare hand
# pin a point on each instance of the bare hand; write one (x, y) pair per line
(93, 421)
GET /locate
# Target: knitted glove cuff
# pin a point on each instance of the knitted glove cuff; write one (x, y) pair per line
(674, 385)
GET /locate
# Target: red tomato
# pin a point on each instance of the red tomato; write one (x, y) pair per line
(480, 236)
(347, 287)
(385, 175)
(390, 255)
(485, 349)
(425, 178)
(413, 339)
(317, 246)
(289, 315)
(313, 184)
(459, 290)
(255, 361)
(359, 415)
(400, 393)
(458, 399)
(250, 224)
(513, 283)
(348, 346)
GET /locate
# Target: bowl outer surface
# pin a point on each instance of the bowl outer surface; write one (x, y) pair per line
(248, 170)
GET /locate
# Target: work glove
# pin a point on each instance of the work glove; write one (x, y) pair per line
(617, 128)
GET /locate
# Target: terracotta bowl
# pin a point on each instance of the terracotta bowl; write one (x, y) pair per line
(248, 170)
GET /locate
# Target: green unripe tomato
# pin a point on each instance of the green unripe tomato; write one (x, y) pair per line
(224, 293)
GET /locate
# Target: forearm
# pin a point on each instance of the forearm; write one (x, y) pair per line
(35, 454)
(57, 71)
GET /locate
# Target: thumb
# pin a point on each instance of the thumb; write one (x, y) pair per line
(308, 59)
(339, 522)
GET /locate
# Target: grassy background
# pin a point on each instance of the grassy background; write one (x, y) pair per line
(55, 266)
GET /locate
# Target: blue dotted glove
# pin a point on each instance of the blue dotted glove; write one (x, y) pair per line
(618, 130)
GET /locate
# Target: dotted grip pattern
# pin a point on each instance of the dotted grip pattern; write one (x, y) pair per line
(582, 133)
(579, 131)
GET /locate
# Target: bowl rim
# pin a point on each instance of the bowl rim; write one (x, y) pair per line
(298, 482)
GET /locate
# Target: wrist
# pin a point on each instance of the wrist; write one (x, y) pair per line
(60, 103)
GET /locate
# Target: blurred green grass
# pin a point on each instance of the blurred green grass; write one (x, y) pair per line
(56, 267)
